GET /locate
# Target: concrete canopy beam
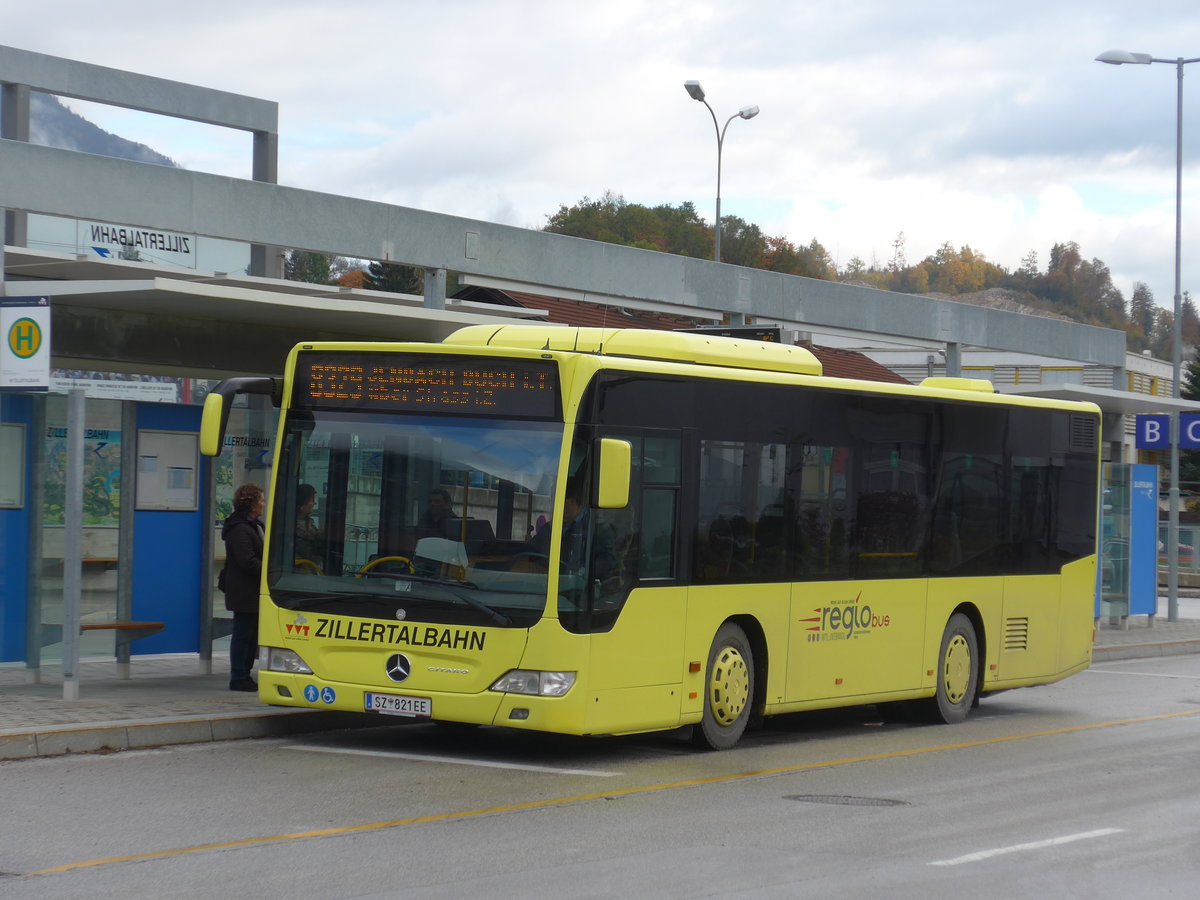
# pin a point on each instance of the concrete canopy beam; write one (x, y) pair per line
(66, 183)
(116, 87)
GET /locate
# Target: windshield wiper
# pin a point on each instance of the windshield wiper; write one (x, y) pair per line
(295, 602)
(497, 617)
(376, 599)
(423, 579)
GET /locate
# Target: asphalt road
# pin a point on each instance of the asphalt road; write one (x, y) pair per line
(1087, 788)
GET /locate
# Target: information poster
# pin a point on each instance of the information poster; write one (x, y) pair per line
(101, 476)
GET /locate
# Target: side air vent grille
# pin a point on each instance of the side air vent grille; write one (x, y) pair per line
(1016, 634)
(1084, 436)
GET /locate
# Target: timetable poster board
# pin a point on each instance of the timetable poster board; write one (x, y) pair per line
(12, 465)
(168, 470)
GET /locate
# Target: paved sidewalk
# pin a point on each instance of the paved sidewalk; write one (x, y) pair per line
(169, 699)
(1140, 636)
(174, 700)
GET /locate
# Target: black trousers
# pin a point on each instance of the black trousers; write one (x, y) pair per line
(243, 646)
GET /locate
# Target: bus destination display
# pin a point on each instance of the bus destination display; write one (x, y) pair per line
(419, 383)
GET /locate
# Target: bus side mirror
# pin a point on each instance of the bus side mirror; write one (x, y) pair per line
(616, 464)
(217, 404)
(212, 424)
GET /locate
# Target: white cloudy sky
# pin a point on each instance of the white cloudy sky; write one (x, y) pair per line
(983, 123)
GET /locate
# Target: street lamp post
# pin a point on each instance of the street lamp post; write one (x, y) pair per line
(1120, 58)
(746, 112)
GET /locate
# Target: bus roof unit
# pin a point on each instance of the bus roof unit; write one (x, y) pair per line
(673, 346)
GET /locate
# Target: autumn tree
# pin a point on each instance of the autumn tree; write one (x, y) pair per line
(353, 278)
(854, 269)
(813, 261)
(612, 220)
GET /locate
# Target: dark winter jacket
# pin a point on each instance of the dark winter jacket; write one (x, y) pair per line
(243, 538)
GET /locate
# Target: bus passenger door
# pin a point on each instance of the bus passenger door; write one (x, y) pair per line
(637, 619)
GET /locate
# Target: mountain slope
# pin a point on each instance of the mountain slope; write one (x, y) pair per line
(53, 125)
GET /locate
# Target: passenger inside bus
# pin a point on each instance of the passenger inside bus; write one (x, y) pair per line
(578, 521)
(439, 518)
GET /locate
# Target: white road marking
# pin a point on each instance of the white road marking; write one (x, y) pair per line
(454, 760)
(1021, 848)
(1143, 674)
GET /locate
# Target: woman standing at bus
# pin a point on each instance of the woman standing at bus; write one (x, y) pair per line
(243, 536)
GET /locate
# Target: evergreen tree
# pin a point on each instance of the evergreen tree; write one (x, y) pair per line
(394, 278)
(313, 268)
(1141, 309)
(1190, 321)
(1189, 389)
(1189, 381)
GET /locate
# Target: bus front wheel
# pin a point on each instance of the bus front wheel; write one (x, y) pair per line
(728, 690)
(957, 672)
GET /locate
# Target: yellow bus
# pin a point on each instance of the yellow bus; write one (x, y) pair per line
(603, 531)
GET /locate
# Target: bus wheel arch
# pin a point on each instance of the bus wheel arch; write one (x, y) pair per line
(959, 669)
(753, 630)
(730, 688)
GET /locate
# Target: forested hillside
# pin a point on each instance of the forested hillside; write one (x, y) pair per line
(1069, 285)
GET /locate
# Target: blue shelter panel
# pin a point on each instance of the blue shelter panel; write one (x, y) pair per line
(14, 532)
(166, 552)
(1143, 539)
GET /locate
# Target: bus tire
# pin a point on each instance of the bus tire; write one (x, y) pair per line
(957, 673)
(728, 690)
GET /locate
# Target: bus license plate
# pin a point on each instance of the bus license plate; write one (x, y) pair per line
(398, 705)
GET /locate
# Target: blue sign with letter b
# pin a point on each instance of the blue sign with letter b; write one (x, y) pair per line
(1153, 432)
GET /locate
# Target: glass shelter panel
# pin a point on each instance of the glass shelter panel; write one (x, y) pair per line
(1114, 543)
(102, 497)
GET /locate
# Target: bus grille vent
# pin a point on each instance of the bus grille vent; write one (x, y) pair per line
(1016, 634)
(1084, 435)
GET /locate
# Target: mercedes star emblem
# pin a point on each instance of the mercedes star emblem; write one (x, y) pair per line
(398, 667)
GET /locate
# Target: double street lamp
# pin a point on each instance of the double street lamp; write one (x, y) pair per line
(746, 112)
(1120, 58)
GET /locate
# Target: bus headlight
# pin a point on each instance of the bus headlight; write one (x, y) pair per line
(276, 659)
(541, 684)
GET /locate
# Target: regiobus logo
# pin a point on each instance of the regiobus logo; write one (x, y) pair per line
(844, 620)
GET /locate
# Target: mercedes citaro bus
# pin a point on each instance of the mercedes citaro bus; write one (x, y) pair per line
(648, 530)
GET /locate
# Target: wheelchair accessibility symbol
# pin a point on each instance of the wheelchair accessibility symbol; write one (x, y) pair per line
(328, 695)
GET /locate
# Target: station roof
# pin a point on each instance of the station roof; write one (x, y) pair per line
(131, 316)
(1109, 400)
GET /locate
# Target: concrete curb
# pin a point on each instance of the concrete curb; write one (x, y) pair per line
(135, 735)
(1148, 649)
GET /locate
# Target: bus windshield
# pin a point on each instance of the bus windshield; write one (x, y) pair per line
(430, 518)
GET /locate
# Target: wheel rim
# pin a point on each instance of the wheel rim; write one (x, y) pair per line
(729, 687)
(956, 675)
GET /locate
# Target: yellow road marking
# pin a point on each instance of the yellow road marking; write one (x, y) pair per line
(600, 795)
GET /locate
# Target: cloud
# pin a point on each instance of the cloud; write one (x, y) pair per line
(985, 124)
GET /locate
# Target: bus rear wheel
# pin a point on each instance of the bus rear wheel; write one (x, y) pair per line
(957, 673)
(728, 690)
